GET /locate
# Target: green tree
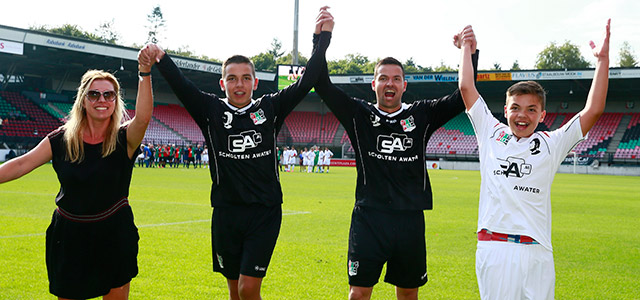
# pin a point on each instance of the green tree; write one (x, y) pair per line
(107, 33)
(68, 30)
(156, 25)
(182, 51)
(444, 68)
(185, 51)
(276, 46)
(351, 64)
(343, 66)
(516, 65)
(411, 67)
(496, 66)
(288, 59)
(627, 57)
(207, 58)
(264, 62)
(565, 56)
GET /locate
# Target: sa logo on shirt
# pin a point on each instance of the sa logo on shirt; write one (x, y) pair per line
(243, 141)
(513, 167)
(394, 142)
(258, 117)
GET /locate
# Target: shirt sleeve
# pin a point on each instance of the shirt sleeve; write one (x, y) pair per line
(447, 107)
(567, 137)
(342, 106)
(482, 120)
(286, 99)
(193, 99)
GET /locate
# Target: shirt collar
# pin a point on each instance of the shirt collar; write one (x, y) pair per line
(241, 109)
(403, 107)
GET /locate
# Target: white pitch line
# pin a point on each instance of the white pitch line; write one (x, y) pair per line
(295, 213)
(174, 223)
(21, 235)
(154, 225)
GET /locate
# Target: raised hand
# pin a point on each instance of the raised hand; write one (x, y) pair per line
(149, 55)
(324, 21)
(145, 60)
(603, 51)
(466, 35)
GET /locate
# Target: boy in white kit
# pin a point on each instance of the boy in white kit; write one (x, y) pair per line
(327, 159)
(320, 160)
(514, 258)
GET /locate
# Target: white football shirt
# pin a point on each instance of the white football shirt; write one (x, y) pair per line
(516, 174)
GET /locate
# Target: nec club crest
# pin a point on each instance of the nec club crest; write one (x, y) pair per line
(258, 117)
(504, 138)
(408, 124)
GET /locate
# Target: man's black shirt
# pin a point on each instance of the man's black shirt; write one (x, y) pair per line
(241, 141)
(390, 148)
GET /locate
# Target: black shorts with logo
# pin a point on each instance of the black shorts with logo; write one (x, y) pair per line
(243, 239)
(397, 238)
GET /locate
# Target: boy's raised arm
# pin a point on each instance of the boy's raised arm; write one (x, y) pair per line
(466, 83)
(597, 97)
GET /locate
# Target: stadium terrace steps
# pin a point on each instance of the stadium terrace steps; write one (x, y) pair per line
(283, 135)
(36, 122)
(549, 119)
(7, 110)
(455, 137)
(619, 133)
(159, 133)
(338, 137)
(600, 136)
(558, 121)
(629, 147)
(56, 111)
(178, 119)
(306, 127)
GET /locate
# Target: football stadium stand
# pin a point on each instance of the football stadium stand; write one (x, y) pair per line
(25, 118)
(455, 137)
(176, 118)
(171, 124)
(306, 127)
(629, 147)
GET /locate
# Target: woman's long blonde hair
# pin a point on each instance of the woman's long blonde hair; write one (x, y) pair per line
(77, 119)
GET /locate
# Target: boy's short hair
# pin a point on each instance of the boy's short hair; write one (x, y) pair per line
(238, 59)
(388, 61)
(528, 88)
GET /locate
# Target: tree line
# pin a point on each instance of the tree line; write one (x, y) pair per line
(553, 57)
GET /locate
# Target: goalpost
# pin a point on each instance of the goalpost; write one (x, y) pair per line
(575, 160)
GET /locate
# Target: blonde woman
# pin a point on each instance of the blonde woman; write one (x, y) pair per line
(92, 242)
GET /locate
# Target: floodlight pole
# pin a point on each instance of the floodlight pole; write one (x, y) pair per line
(295, 33)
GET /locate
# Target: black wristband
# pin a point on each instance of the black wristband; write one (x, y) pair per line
(142, 74)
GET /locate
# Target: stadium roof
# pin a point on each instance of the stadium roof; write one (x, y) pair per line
(41, 57)
(48, 61)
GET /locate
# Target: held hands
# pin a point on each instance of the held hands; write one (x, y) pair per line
(603, 51)
(324, 21)
(466, 37)
(149, 55)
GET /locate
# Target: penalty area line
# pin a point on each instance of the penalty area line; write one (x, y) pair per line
(288, 213)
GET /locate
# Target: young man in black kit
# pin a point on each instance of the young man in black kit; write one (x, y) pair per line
(393, 188)
(240, 133)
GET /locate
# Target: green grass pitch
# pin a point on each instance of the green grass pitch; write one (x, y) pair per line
(595, 235)
(284, 82)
